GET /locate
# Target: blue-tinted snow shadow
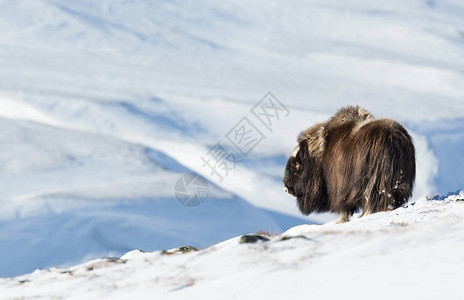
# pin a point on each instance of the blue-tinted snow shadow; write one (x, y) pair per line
(166, 162)
(117, 226)
(446, 140)
(286, 222)
(168, 121)
(271, 166)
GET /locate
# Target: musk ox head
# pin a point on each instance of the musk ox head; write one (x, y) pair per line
(349, 162)
(303, 179)
(293, 171)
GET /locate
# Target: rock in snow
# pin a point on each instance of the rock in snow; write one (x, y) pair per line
(414, 252)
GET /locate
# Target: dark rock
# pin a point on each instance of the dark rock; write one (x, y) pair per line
(183, 249)
(252, 238)
(289, 237)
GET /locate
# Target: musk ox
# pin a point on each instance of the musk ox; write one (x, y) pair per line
(349, 162)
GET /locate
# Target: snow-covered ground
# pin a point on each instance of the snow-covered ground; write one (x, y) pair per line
(105, 104)
(414, 252)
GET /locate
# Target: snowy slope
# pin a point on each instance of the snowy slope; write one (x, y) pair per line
(104, 104)
(411, 252)
(85, 200)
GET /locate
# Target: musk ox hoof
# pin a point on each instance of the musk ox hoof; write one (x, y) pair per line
(344, 217)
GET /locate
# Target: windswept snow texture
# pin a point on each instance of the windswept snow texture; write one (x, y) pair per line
(105, 104)
(414, 252)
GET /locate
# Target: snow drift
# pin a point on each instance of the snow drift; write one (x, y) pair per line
(412, 252)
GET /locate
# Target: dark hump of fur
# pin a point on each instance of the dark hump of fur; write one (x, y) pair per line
(353, 161)
(386, 162)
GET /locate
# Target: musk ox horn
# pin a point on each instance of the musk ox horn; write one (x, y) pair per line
(295, 151)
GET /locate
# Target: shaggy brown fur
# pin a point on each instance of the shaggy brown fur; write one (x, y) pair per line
(349, 162)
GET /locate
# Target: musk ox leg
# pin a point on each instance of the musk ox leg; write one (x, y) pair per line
(367, 209)
(344, 217)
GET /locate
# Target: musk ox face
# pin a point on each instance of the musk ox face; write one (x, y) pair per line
(349, 162)
(303, 179)
(293, 172)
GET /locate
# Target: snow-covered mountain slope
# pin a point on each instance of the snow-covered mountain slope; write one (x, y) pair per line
(70, 196)
(411, 252)
(105, 104)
